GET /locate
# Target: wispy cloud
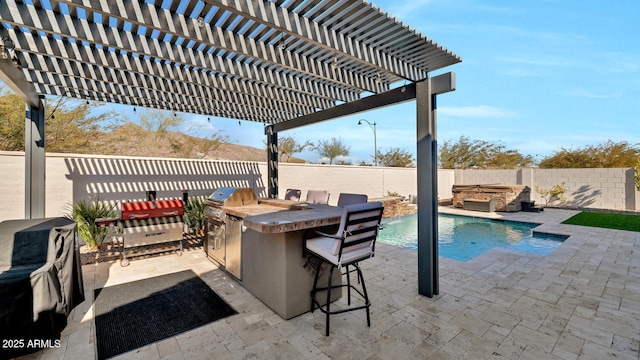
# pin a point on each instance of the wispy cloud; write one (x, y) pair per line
(196, 123)
(480, 111)
(621, 62)
(579, 92)
(406, 8)
(548, 60)
(503, 31)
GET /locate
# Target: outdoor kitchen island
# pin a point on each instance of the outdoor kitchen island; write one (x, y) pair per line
(272, 262)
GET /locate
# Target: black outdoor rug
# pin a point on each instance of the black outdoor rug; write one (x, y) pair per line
(135, 314)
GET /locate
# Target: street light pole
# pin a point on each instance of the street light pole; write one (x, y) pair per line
(375, 144)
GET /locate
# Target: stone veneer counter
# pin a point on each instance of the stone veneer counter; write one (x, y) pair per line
(278, 216)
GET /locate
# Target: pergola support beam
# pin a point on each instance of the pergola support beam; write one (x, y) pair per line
(427, 172)
(34, 204)
(394, 96)
(272, 162)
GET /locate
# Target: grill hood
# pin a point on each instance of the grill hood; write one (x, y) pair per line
(230, 196)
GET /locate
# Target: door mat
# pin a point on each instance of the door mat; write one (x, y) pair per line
(139, 313)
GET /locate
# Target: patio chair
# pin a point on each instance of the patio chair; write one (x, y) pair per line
(348, 199)
(318, 197)
(293, 194)
(354, 242)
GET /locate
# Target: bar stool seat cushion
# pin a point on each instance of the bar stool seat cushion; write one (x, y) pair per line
(323, 246)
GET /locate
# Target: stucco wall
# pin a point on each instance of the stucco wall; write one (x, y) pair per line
(73, 177)
(11, 185)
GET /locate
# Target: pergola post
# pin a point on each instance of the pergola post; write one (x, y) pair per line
(427, 169)
(426, 159)
(272, 162)
(34, 161)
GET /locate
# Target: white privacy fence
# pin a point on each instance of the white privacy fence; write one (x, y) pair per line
(71, 177)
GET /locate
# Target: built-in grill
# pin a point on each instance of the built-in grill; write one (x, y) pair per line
(145, 223)
(223, 240)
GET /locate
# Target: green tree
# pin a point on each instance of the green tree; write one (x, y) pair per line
(72, 125)
(204, 146)
(509, 159)
(395, 157)
(159, 122)
(466, 153)
(605, 155)
(331, 149)
(155, 125)
(287, 146)
(12, 119)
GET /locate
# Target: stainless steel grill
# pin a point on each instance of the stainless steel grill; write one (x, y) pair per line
(229, 196)
(223, 238)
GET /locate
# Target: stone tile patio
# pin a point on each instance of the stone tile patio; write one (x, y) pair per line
(580, 302)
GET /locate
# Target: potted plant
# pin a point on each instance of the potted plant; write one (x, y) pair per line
(194, 211)
(85, 212)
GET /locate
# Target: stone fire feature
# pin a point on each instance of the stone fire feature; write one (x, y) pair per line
(507, 197)
(395, 206)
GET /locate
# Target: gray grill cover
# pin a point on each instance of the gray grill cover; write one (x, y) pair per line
(40, 278)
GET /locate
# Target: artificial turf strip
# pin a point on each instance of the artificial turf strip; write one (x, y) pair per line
(606, 220)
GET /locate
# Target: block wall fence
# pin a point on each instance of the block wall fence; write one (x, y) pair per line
(70, 177)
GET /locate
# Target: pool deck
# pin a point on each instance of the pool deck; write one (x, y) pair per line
(580, 302)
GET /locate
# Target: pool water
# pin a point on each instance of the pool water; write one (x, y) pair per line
(462, 237)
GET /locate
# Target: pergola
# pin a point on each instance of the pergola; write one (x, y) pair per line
(285, 63)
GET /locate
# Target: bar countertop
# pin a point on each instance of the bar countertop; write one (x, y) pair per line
(278, 216)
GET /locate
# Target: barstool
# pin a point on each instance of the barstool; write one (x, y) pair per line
(345, 199)
(353, 242)
(292, 194)
(317, 197)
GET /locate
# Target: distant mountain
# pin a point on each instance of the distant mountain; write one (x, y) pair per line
(131, 140)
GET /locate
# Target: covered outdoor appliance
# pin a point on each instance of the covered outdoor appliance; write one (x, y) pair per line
(223, 236)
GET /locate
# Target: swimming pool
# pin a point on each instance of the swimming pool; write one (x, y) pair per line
(462, 237)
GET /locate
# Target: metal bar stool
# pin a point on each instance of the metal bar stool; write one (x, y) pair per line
(317, 197)
(354, 242)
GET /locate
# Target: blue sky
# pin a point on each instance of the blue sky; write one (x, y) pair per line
(535, 76)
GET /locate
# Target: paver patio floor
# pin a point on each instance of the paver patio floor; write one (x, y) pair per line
(580, 302)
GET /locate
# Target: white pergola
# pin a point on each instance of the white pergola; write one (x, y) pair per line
(284, 63)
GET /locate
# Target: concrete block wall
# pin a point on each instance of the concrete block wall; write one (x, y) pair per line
(375, 182)
(71, 177)
(487, 177)
(590, 188)
(446, 180)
